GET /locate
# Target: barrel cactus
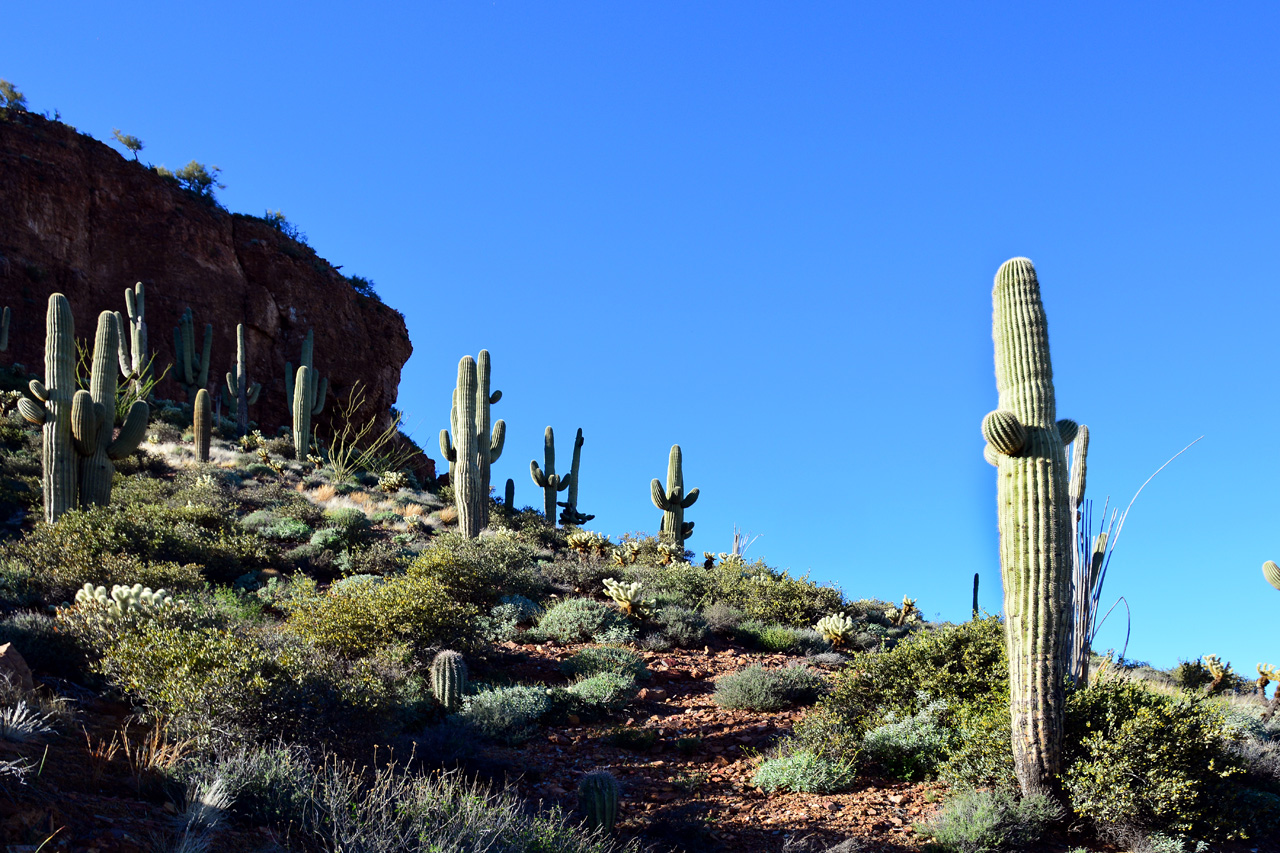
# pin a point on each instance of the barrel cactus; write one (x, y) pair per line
(240, 392)
(203, 424)
(192, 369)
(449, 679)
(1028, 445)
(598, 799)
(673, 502)
(546, 477)
(306, 398)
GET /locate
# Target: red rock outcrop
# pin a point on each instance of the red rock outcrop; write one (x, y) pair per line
(78, 218)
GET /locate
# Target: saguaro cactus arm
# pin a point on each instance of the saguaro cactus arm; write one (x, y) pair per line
(1271, 572)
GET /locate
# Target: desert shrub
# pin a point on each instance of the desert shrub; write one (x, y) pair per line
(506, 618)
(956, 664)
(991, 822)
(356, 620)
(604, 691)
(910, 747)
(830, 660)
(1140, 759)
(579, 620)
(757, 688)
(597, 659)
(683, 626)
(722, 617)
(352, 526)
(1191, 675)
(634, 738)
(802, 771)
(981, 752)
(482, 569)
(766, 638)
(582, 575)
(286, 530)
(383, 557)
(508, 714)
(272, 783)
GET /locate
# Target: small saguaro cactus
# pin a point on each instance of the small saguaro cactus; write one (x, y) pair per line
(598, 799)
(1027, 443)
(306, 399)
(546, 478)
(4, 329)
(203, 424)
(240, 393)
(449, 679)
(488, 443)
(1271, 572)
(53, 410)
(193, 370)
(93, 423)
(673, 502)
(468, 496)
(134, 360)
(570, 514)
(509, 497)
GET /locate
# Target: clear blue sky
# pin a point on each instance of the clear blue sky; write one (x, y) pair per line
(767, 231)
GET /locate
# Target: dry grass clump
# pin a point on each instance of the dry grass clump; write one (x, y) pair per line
(448, 514)
(324, 493)
(413, 510)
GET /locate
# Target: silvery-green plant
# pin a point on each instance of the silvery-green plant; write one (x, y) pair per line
(20, 723)
(836, 628)
(122, 599)
(626, 596)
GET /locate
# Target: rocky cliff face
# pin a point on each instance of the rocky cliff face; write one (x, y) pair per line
(78, 218)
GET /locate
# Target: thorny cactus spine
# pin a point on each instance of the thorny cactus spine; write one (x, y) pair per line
(193, 371)
(449, 679)
(546, 478)
(1025, 442)
(241, 394)
(132, 343)
(308, 396)
(570, 515)
(598, 799)
(53, 411)
(673, 502)
(203, 424)
(93, 431)
(468, 496)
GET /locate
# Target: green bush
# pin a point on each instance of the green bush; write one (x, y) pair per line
(981, 753)
(804, 772)
(507, 616)
(272, 783)
(722, 617)
(604, 691)
(580, 620)
(356, 620)
(1140, 759)
(682, 626)
(956, 664)
(482, 569)
(991, 822)
(597, 659)
(508, 714)
(761, 592)
(911, 747)
(757, 688)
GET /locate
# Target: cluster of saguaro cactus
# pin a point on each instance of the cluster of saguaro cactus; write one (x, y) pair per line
(240, 392)
(598, 799)
(203, 424)
(134, 360)
(473, 447)
(79, 442)
(673, 502)
(192, 370)
(449, 679)
(570, 515)
(306, 391)
(546, 477)
(1027, 444)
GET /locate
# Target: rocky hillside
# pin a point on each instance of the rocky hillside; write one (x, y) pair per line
(77, 217)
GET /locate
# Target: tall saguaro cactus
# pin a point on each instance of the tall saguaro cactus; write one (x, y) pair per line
(673, 502)
(241, 394)
(1027, 445)
(488, 446)
(94, 427)
(53, 411)
(547, 479)
(203, 423)
(133, 357)
(468, 495)
(570, 514)
(193, 370)
(4, 329)
(306, 399)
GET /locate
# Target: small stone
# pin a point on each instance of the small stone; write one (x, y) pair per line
(13, 667)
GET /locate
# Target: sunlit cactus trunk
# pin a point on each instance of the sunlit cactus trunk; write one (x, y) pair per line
(468, 493)
(94, 430)
(203, 423)
(546, 477)
(673, 501)
(53, 410)
(1026, 443)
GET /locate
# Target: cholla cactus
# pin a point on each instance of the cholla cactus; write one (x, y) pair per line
(598, 799)
(626, 596)
(1266, 675)
(588, 543)
(627, 553)
(732, 561)
(905, 614)
(392, 481)
(122, 599)
(252, 441)
(668, 554)
(1220, 672)
(836, 629)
